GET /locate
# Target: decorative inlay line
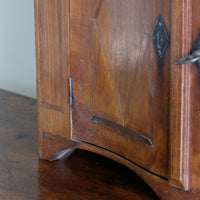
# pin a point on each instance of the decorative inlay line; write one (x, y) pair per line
(98, 9)
(160, 38)
(50, 106)
(122, 129)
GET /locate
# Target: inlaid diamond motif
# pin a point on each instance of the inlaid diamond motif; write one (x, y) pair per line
(160, 38)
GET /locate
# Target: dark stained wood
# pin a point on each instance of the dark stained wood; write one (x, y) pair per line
(83, 176)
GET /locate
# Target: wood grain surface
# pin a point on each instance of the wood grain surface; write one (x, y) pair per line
(129, 104)
(118, 78)
(84, 176)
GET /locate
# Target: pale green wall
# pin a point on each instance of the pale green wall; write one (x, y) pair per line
(17, 47)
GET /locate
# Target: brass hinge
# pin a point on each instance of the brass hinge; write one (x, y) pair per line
(70, 92)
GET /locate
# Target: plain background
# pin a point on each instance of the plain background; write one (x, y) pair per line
(17, 47)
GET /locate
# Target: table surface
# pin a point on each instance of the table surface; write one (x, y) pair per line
(84, 176)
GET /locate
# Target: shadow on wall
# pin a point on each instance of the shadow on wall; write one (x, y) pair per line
(17, 47)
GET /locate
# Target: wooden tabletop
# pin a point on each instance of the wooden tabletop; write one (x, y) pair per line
(84, 176)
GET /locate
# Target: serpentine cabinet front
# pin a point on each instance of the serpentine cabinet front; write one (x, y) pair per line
(108, 83)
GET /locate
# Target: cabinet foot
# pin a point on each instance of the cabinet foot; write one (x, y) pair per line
(64, 154)
(53, 147)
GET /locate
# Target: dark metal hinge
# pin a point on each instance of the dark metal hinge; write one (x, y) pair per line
(70, 92)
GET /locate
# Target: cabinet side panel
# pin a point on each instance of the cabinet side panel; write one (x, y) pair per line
(52, 53)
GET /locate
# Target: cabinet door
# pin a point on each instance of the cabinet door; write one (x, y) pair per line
(120, 71)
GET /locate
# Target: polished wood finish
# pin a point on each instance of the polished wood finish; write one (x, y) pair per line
(117, 78)
(83, 176)
(180, 94)
(52, 51)
(194, 111)
(128, 103)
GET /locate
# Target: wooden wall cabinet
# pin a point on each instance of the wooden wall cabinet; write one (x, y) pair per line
(108, 83)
